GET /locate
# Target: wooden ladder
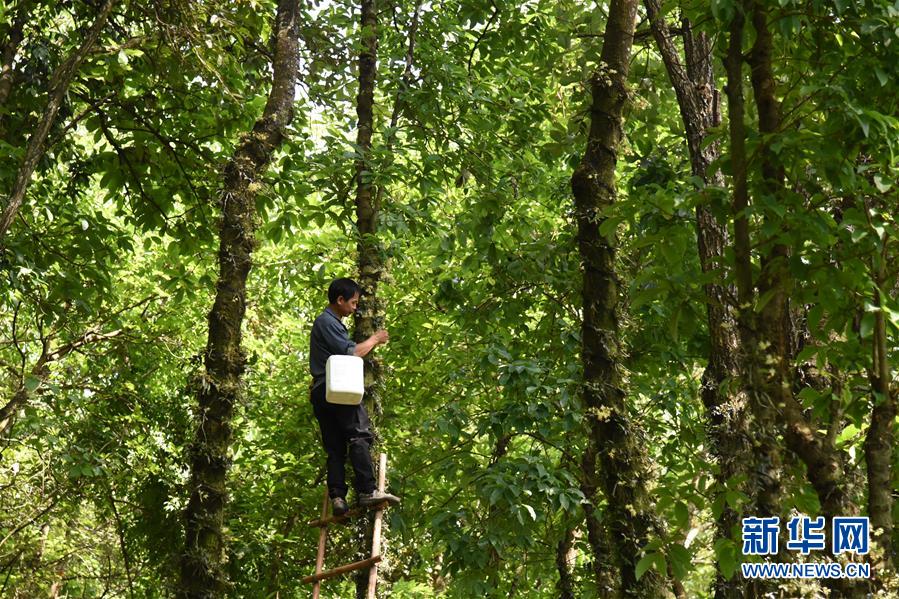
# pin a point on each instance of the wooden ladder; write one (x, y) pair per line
(325, 520)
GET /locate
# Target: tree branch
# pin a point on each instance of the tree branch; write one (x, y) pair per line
(59, 84)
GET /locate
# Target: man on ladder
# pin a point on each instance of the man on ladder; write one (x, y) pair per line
(343, 426)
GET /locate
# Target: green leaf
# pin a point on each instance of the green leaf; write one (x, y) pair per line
(680, 559)
(858, 234)
(807, 351)
(655, 560)
(531, 511)
(644, 564)
(682, 514)
(718, 505)
(32, 383)
(660, 563)
(866, 127)
(806, 500)
(808, 396)
(672, 324)
(734, 498)
(609, 225)
(764, 299)
(726, 554)
(846, 434)
(867, 325)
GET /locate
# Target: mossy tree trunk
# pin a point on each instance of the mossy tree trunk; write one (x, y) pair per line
(765, 324)
(765, 482)
(219, 387)
(726, 410)
(371, 264)
(822, 460)
(880, 439)
(623, 463)
(369, 317)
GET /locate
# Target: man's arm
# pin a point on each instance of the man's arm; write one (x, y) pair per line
(335, 339)
(369, 344)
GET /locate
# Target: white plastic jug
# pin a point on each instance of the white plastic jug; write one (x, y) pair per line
(344, 380)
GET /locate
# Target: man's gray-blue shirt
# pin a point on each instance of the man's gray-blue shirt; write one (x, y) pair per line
(329, 336)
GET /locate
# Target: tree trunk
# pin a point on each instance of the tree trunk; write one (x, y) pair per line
(825, 471)
(619, 440)
(726, 413)
(59, 84)
(607, 584)
(824, 465)
(219, 388)
(370, 315)
(565, 585)
(881, 437)
(765, 481)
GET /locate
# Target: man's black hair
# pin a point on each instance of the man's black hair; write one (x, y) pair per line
(345, 288)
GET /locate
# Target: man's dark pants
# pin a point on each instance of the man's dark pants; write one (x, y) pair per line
(345, 426)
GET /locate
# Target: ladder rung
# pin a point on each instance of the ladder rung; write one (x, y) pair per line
(366, 563)
(351, 513)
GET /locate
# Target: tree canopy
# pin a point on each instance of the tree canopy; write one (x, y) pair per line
(638, 262)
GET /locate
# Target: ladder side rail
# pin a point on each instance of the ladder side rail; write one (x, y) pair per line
(322, 539)
(376, 534)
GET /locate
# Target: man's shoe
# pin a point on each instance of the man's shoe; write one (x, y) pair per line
(338, 506)
(376, 497)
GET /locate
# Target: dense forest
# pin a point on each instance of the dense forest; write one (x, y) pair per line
(638, 262)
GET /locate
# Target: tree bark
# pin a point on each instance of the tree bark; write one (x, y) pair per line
(565, 585)
(618, 438)
(824, 464)
(765, 482)
(369, 316)
(726, 412)
(59, 84)
(694, 87)
(825, 470)
(607, 584)
(880, 439)
(219, 388)
(766, 488)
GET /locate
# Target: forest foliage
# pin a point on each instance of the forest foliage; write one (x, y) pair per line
(629, 303)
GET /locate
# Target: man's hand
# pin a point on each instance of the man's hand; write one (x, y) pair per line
(369, 344)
